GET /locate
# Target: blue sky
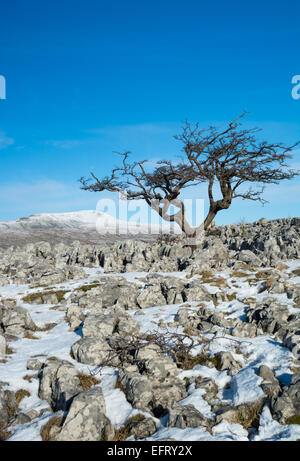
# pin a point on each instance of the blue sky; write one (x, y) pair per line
(87, 78)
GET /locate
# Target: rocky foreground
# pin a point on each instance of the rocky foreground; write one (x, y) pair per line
(151, 340)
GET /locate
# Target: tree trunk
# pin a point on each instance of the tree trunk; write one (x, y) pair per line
(210, 217)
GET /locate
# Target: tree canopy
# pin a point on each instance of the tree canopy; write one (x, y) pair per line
(229, 158)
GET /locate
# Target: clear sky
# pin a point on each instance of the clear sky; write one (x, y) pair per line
(87, 78)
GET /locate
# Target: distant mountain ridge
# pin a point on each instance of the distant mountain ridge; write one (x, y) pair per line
(81, 220)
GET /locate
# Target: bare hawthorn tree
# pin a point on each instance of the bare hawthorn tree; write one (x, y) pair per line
(228, 158)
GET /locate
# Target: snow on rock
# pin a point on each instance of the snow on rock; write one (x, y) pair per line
(269, 429)
(196, 398)
(229, 431)
(245, 387)
(118, 409)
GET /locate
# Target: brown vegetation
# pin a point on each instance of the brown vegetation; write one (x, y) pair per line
(50, 429)
(87, 381)
(124, 432)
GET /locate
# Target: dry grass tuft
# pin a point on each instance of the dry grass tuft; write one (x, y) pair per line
(238, 274)
(247, 301)
(210, 278)
(29, 335)
(190, 331)
(293, 420)
(87, 381)
(11, 407)
(231, 296)
(31, 297)
(205, 274)
(268, 283)
(219, 282)
(29, 378)
(8, 350)
(4, 434)
(282, 267)
(214, 300)
(187, 382)
(46, 327)
(124, 432)
(119, 385)
(50, 429)
(188, 361)
(20, 394)
(89, 286)
(263, 275)
(248, 414)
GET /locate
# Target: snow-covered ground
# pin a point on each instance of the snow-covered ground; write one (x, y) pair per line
(241, 388)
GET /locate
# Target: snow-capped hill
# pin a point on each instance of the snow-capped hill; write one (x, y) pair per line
(81, 220)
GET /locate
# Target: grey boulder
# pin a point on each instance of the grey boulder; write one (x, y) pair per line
(86, 420)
